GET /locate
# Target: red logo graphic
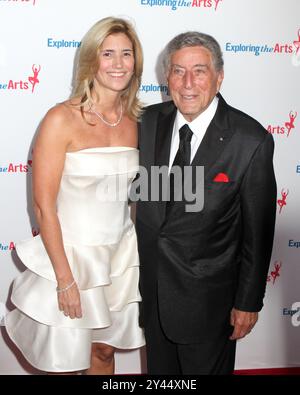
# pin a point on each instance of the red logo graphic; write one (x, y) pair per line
(288, 48)
(288, 126)
(275, 273)
(13, 168)
(297, 42)
(282, 202)
(206, 3)
(25, 84)
(34, 79)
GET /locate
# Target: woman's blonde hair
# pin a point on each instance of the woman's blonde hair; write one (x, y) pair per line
(88, 64)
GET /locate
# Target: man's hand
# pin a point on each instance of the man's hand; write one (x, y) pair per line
(243, 322)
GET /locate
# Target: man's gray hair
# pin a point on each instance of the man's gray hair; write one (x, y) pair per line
(194, 39)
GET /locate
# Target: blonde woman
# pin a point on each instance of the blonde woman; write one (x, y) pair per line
(78, 299)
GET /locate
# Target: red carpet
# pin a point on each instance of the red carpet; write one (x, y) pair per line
(274, 371)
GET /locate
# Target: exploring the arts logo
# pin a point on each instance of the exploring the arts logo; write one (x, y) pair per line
(147, 88)
(29, 83)
(14, 168)
(62, 43)
(294, 313)
(6, 247)
(174, 5)
(284, 128)
(292, 47)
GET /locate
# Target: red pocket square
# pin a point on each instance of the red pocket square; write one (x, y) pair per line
(221, 177)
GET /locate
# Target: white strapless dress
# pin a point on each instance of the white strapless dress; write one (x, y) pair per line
(100, 243)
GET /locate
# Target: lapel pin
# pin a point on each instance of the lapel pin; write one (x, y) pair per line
(221, 138)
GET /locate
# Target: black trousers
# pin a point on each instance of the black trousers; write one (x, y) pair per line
(215, 357)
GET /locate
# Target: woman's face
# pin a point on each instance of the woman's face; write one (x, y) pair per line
(116, 62)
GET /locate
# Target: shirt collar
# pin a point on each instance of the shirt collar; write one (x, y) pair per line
(199, 125)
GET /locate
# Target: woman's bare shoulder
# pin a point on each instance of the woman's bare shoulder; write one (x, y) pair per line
(56, 124)
(60, 113)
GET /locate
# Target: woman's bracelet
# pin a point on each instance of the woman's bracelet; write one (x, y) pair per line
(59, 290)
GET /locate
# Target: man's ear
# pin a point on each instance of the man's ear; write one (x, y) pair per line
(220, 79)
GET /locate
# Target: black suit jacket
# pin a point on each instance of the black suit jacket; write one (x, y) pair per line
(202, 264)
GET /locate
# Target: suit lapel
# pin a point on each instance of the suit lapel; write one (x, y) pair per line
(163, 144)
(163, 137)
(215, 139)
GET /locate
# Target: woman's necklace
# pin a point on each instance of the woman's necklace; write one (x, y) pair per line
(99, 115)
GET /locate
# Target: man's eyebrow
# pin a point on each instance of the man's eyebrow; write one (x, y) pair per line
(200, 65)
(196, 65)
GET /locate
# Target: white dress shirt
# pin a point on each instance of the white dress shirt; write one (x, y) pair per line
(198, 126)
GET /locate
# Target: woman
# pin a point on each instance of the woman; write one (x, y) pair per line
(78, 299)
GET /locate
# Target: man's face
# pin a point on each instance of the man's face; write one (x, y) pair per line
(193, 80)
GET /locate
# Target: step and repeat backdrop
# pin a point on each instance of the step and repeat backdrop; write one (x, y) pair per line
(39, 40)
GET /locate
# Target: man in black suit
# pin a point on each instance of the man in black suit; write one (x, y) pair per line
(203, 273)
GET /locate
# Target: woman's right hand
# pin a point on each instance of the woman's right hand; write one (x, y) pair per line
(69, 300)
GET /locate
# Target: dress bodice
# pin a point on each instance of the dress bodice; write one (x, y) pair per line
(92, 203)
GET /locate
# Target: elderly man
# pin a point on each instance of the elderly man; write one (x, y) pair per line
(203, 273)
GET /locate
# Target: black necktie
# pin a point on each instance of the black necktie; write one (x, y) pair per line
(183, 155)
(182, 158)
